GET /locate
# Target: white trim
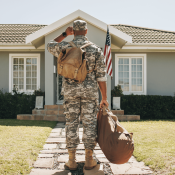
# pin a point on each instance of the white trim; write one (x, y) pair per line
(144, 72)
(142, 47)
(20, 47)
(11, 55)
(77, 14)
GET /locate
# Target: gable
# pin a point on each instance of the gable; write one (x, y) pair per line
(117, 37)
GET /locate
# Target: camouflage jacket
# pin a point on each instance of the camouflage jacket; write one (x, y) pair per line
(95, 60)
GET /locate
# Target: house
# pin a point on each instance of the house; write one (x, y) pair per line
(143, 59)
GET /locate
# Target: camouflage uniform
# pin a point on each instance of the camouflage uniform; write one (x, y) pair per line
(81, 98)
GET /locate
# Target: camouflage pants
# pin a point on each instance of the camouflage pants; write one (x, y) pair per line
(87, 108)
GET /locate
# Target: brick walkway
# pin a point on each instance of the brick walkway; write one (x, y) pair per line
(52, 158)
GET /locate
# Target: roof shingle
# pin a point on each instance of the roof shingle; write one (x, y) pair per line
(16, 33)
(146, 35)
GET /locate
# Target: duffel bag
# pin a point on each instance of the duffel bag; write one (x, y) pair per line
(114, 140)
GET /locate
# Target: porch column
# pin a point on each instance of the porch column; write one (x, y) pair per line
(49, 78)
(109, 90)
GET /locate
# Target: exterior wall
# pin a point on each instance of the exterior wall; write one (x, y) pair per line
(95, 35)
(160, 73)
(113, 69)
(4, 70)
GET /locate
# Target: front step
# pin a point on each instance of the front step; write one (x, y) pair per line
(118, 112)
(128, 117)
(60, 118)
(56, 113)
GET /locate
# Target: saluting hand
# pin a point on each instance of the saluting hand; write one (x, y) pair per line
(69, 31)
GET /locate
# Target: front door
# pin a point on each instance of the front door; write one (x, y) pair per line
(59, 87)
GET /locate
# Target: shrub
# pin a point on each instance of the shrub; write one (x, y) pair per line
(149, 106)
(117, 91)
(17, 103)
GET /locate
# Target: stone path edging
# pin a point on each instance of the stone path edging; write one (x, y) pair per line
(51, 160)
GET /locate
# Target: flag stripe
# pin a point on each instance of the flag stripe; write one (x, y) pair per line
(107, 54)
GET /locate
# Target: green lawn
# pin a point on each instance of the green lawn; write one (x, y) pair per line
(20, 143)
(154, 144)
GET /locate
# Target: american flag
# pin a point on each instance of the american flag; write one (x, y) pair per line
(107, 54)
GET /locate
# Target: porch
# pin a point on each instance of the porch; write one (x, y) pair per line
(55, 113)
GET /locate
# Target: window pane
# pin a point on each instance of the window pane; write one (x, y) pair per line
(126, 81)
(15, 60)
(120, 81)
(21, 80)
(139, 81)
(133, 68)
(15, 67)
(34, 67)
(120, 67)
(15, 74)
(122, 86)
(139, 60)
(21, 87)
(15, 81)
(34, 61)
(126, 67)
(33, 87)
(28, 74)
(28, 87)
(126, 74)
(120, 74)
(33, 80)
(133, 74)
(21, 60)
(21, 74)
(139, 87)
(139, 74)
(28, 80)
(139, 67)
(133, 61)
(134, 88)
(21, 67)
(133, 81)
(120, 61)
(126, 61)
(15, 86)
(126, 88)
(34, 74)
(28, 67)
(28, 61)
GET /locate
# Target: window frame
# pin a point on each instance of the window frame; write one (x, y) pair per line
(144, 72)
(21, 55)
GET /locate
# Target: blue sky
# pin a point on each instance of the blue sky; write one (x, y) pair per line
(158, 14)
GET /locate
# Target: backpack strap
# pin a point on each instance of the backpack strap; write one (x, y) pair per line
(88, 44)
(72, 44)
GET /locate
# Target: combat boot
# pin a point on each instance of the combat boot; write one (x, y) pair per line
(71, 164)
(90, 163)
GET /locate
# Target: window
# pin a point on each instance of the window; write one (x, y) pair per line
(24, 72)
(130, 73)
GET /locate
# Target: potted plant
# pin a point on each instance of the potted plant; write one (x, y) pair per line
(116, 95)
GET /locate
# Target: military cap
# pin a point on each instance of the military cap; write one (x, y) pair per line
(79, 25)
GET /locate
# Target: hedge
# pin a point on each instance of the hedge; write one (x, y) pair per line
(19, 103)
(149, 106)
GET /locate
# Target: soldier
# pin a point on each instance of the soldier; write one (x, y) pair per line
(82, 98)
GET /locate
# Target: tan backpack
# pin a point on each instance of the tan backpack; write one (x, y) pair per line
(70, 64)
